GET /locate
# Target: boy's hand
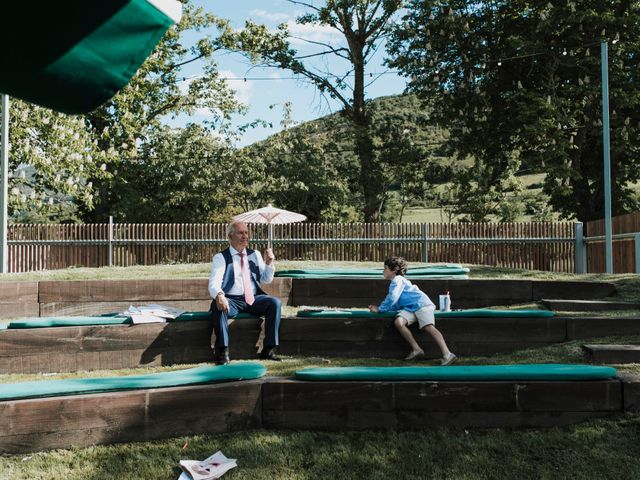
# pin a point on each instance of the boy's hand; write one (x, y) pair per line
(373, 308)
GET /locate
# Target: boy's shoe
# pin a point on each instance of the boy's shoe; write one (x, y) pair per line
(413, 355)
(448, 360)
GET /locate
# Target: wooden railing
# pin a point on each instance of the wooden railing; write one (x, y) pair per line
(626, 244)
(538, 245)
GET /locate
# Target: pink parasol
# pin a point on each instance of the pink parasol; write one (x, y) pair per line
(269, 215)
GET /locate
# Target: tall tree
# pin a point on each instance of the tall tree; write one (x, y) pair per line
(159, 90)
(362, 24)
(313, 167)
(306, 174)
(517, 82)
(178, 175)
(51, 158)
(410, 152)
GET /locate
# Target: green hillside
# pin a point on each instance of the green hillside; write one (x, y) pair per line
(395, 114)
(395, 117)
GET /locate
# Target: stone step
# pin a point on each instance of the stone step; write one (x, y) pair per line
(588, 305)
(613, 353)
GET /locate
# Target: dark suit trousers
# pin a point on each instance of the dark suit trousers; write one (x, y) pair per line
(264, 305)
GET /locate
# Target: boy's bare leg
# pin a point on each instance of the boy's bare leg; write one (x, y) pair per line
(437, 336)
(401, 325)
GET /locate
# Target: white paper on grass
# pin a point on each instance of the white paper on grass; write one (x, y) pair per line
(210, 468)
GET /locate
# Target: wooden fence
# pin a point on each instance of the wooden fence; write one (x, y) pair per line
(624, 256)
(539, 245)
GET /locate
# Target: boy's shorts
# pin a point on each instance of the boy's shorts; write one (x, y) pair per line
(425, 316)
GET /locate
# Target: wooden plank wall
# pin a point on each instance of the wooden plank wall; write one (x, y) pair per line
(623, 250)
(366, 405)
(150, 244)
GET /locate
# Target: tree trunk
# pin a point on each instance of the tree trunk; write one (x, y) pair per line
(371, 178)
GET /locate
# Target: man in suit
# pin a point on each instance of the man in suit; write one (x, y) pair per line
(234, 285)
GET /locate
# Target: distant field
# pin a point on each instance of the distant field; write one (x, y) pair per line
(424, 215)
(434, 215)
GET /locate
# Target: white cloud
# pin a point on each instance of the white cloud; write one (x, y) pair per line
(183, 86)
(315, 33)
(243, 90)
(273, 17)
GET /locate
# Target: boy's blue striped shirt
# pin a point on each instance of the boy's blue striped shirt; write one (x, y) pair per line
(403, 295)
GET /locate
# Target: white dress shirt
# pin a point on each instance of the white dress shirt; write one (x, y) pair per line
(218, 266)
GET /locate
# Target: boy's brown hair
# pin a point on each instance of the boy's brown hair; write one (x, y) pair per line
(398, 265)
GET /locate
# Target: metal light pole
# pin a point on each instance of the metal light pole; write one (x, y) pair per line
(608, 241)
(4, 169)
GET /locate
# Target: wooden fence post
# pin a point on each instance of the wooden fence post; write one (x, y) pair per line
(580, 249)
(636, 241)
(110, 241)
(425, 238)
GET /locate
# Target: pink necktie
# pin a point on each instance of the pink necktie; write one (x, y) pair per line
(246, 283)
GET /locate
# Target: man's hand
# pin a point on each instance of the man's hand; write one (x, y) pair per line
(373, 308)
(222, 303)
(269, 257)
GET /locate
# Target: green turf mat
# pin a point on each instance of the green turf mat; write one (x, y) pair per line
(78, 386)
(372, 276)
(442, 271)
(466, 373)
(479, 312)
(46, 322)
(109, 319)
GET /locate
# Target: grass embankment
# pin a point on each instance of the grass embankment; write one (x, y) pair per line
(598, 449)
(201, 270)
(569, 352)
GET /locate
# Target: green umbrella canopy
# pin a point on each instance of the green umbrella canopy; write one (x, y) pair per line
(74, 55)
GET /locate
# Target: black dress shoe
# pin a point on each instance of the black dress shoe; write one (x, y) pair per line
(222, 356)
(270, 354)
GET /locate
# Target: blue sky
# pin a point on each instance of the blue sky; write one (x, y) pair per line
(260, 95)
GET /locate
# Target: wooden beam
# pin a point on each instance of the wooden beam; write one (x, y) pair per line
(615, 354)
(591, 327)
(413, 405)
(140, 415)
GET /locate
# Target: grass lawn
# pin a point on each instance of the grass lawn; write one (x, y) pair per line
(605, 449)
(608, 448)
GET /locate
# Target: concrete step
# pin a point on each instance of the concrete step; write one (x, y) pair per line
(588, 305)
(613, 353)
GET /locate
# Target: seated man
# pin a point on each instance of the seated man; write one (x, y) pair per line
(234, 285)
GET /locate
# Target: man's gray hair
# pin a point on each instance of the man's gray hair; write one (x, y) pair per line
(231, 228)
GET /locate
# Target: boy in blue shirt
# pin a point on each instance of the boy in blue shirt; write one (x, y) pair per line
(412, 305)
